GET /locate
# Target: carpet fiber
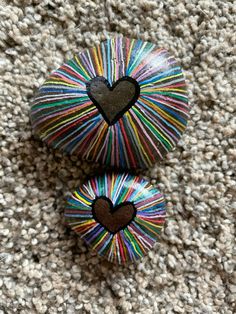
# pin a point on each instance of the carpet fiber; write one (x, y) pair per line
(44, 267)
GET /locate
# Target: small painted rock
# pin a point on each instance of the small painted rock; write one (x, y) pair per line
(118, 215)
(122, 103)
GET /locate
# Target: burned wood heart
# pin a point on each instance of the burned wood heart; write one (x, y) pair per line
(113, 218)
(113, 101)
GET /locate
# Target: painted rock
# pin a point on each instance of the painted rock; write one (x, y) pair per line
(122, 103)
(118, 215)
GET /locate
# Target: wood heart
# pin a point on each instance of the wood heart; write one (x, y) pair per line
(113, 101)
(113, 218)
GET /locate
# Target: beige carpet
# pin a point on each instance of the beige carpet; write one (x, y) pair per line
(44, 268)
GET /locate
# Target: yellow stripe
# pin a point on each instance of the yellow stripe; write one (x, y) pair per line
(163, 79)
(159, 110)
(169, 89)
(151, 230)
(87, 222)
(131, 242)
(129, 53)
(85, 72)
(82, 199)
(136, 134)
(97, 61)
(112, 182)
(156, 129)
(64, 121)
(147, 222)
(100, 60)
(100, 240)
(59, 83)
(97, 140)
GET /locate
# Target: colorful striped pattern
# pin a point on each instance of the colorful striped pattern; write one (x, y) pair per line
(64, 116)
(132, 242)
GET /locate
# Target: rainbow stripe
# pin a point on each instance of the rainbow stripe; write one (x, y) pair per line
(64, 116)
(131, 242)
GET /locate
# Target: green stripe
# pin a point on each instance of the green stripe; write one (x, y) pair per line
(157, 133)
(62, 102)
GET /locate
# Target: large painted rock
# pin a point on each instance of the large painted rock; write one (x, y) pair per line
(122, 103)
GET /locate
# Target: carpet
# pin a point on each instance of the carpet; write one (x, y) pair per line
(44, 267)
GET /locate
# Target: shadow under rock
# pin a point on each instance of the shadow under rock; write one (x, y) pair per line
(50, 166)
(90, 262)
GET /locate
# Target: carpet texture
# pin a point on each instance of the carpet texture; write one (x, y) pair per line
(44, 267)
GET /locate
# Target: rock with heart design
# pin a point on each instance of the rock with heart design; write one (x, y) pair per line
(121, 103)
(118, 215)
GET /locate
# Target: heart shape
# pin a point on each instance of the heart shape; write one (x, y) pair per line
(113, 101)
(113, 218)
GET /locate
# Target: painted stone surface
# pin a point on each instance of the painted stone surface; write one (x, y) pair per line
(122, 103)
(118, 215)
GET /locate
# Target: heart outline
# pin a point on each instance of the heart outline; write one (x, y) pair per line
(112, 210)
(111, 88)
